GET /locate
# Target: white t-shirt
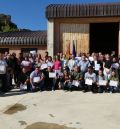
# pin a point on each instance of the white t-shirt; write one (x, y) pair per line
(25, 63)
(3, 66)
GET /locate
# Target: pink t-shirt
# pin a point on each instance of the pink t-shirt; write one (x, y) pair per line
(57, 65)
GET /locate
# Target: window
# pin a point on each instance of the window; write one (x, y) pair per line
(26, 51)
(3, 50)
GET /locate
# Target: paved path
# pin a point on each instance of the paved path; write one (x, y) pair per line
(73, 109)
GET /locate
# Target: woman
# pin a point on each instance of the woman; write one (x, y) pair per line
(57, 64)
(50, 62)
(101, 82)
(113, 82)
(66, 80)
(27, 65)
(38, 62)
(107, 66)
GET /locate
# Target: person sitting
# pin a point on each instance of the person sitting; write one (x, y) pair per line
(63, 82)
(113, 82)
(24, 80)
(37, 79)
(77, 78)
(60, 78)
(101, 82)
(90, 80)
(66, 80)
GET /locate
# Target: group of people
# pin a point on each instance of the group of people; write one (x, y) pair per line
(94, 72)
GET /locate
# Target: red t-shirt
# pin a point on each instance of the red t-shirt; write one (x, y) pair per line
(57, 65)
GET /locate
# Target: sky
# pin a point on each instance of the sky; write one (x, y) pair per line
(30, 14)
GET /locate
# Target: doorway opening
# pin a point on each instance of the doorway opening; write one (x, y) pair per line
(104, 37)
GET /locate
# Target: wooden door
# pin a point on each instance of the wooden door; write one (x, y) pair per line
(77, 33)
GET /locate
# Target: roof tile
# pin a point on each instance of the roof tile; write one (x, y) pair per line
(23, 38)
(82, 10)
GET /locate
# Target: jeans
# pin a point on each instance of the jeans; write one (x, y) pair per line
(92, 88)
(3, 82)
(40, 85)
(69, 86)
(101, 89)
(113, 89)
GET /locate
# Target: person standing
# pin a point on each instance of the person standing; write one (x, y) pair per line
(71, 63)
(84, 64)
(3, 71)
(57, 64)
(107, 65)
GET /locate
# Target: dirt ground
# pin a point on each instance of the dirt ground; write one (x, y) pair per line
(59, 110)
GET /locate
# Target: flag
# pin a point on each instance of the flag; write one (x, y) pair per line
(68, 50)
(73, 49)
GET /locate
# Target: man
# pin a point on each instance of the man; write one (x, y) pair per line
(77, 78)
(24, 81)
(71, 63)
(90, 80)
(3, 70)
(37, 79)
(84, 64)
(46, 56)
(50, 81)
(113, 54)
(96, 64)
(5, 55)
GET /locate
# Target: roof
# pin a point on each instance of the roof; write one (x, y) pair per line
(23, 38)
(82, 10)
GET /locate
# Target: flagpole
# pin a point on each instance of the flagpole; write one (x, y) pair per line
(76, 47)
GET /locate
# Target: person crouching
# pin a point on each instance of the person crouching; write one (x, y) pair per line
(77, 78)
(37, 79)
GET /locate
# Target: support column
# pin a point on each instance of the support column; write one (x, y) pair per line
(50, 37)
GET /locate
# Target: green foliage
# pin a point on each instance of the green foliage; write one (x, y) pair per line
(8, 27)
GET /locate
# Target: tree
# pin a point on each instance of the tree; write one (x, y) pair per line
(6, 25)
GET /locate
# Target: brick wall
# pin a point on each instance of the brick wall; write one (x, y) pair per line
(17, 49)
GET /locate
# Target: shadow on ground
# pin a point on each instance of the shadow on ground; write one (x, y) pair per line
(42, 125)
(12, 93)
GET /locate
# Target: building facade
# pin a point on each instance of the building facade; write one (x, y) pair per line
(92, 27)
(23, 41)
